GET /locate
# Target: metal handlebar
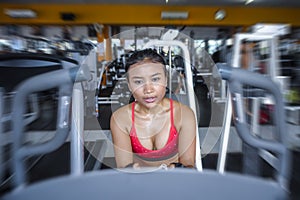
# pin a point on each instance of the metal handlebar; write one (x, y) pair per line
(61, 79)
(236, 78)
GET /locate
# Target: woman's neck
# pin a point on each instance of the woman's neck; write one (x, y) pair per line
(156, 110)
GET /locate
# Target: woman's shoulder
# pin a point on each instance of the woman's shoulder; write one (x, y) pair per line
(182, 114)
(181, 107)
(182, 111)
(121, 118)
(123, 111)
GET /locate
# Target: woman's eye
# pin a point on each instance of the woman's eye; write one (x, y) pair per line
(156, 79)
(137, 82)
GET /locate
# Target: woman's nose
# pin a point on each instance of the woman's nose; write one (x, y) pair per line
(148, 88)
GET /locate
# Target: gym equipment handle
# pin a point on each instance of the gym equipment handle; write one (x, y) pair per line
(63, 80)
(236, 78)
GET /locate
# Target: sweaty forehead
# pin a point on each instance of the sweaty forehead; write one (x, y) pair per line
(145, 67)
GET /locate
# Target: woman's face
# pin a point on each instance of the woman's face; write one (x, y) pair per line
(147, 82)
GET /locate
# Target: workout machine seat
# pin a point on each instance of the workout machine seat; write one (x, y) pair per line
(174, 184)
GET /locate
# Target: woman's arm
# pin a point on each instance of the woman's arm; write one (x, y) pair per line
(187, 137)
(121, 141)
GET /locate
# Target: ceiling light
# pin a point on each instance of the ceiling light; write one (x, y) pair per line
(20, 13)
(220, 14)
(248, 2)
(174, 15)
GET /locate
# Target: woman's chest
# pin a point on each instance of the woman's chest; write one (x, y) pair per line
(153, 134)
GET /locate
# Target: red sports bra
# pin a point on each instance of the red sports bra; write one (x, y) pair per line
(169, 150)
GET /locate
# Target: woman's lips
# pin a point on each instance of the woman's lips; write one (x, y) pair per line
(149, 99)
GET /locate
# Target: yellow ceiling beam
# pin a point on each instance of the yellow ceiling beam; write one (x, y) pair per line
(123, 14)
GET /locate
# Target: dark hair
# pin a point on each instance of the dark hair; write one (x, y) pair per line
(149, 55)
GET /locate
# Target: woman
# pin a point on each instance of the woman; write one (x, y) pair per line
(153, 130)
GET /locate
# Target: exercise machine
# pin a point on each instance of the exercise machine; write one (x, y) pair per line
(147, 184)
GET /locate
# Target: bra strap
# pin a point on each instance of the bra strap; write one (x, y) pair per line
(171, 112)
(132, 112)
